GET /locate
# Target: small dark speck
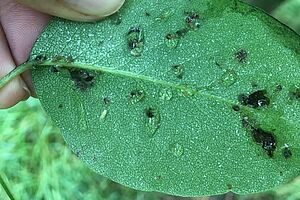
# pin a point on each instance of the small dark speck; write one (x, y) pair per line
(281, 173)
(60, 106)
(106, 101)
(229, 186)
(147, 14)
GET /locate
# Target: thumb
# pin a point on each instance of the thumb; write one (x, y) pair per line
(78, 10)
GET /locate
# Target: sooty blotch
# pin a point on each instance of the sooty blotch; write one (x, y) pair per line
(255, 100)
(241, 55)
(83, 80)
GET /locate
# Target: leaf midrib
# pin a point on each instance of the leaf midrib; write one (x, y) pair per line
(179, 87)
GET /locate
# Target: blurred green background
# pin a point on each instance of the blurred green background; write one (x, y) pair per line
(36, 164)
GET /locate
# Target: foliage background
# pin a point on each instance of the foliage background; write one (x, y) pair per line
(36, 164)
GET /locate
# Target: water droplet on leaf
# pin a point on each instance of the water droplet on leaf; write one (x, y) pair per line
(171, 40)
(177, 149)
(165, 94)
(228, 78)
(103, 115)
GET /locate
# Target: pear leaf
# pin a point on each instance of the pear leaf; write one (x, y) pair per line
(189, 98)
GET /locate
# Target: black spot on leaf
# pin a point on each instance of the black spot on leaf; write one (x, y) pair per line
(262, 137)
(265, 139)
(229, 186)
(106, 101)
(40, 58)
(236, 108)
(278, 88)
(83, 80)
(136, 96)
(294, 94)
(286, 152)
(152, 121)
(62, 59)
(182, 32)
(135, 41)
(255, 100)
(192, 19)
(241, 55)
(178, 71)
(54, 69)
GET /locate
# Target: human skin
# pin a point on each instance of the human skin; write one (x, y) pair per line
(22, 21)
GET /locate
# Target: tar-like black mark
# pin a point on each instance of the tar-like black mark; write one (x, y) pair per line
(83, 79)
(256, 99)
(241, 55)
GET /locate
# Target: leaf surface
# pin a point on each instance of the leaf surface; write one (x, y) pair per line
(190, 98)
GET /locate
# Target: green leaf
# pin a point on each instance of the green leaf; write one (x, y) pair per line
(189, 98)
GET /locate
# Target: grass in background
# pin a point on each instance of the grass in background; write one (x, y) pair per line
(36, 164)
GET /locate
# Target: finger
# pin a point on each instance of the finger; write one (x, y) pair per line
(22, 26)
(16, 90)
(79, 10)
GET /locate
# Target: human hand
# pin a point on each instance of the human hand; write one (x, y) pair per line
(20, 26)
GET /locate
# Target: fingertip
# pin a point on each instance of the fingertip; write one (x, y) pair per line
(13, 92)
(78, 10)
